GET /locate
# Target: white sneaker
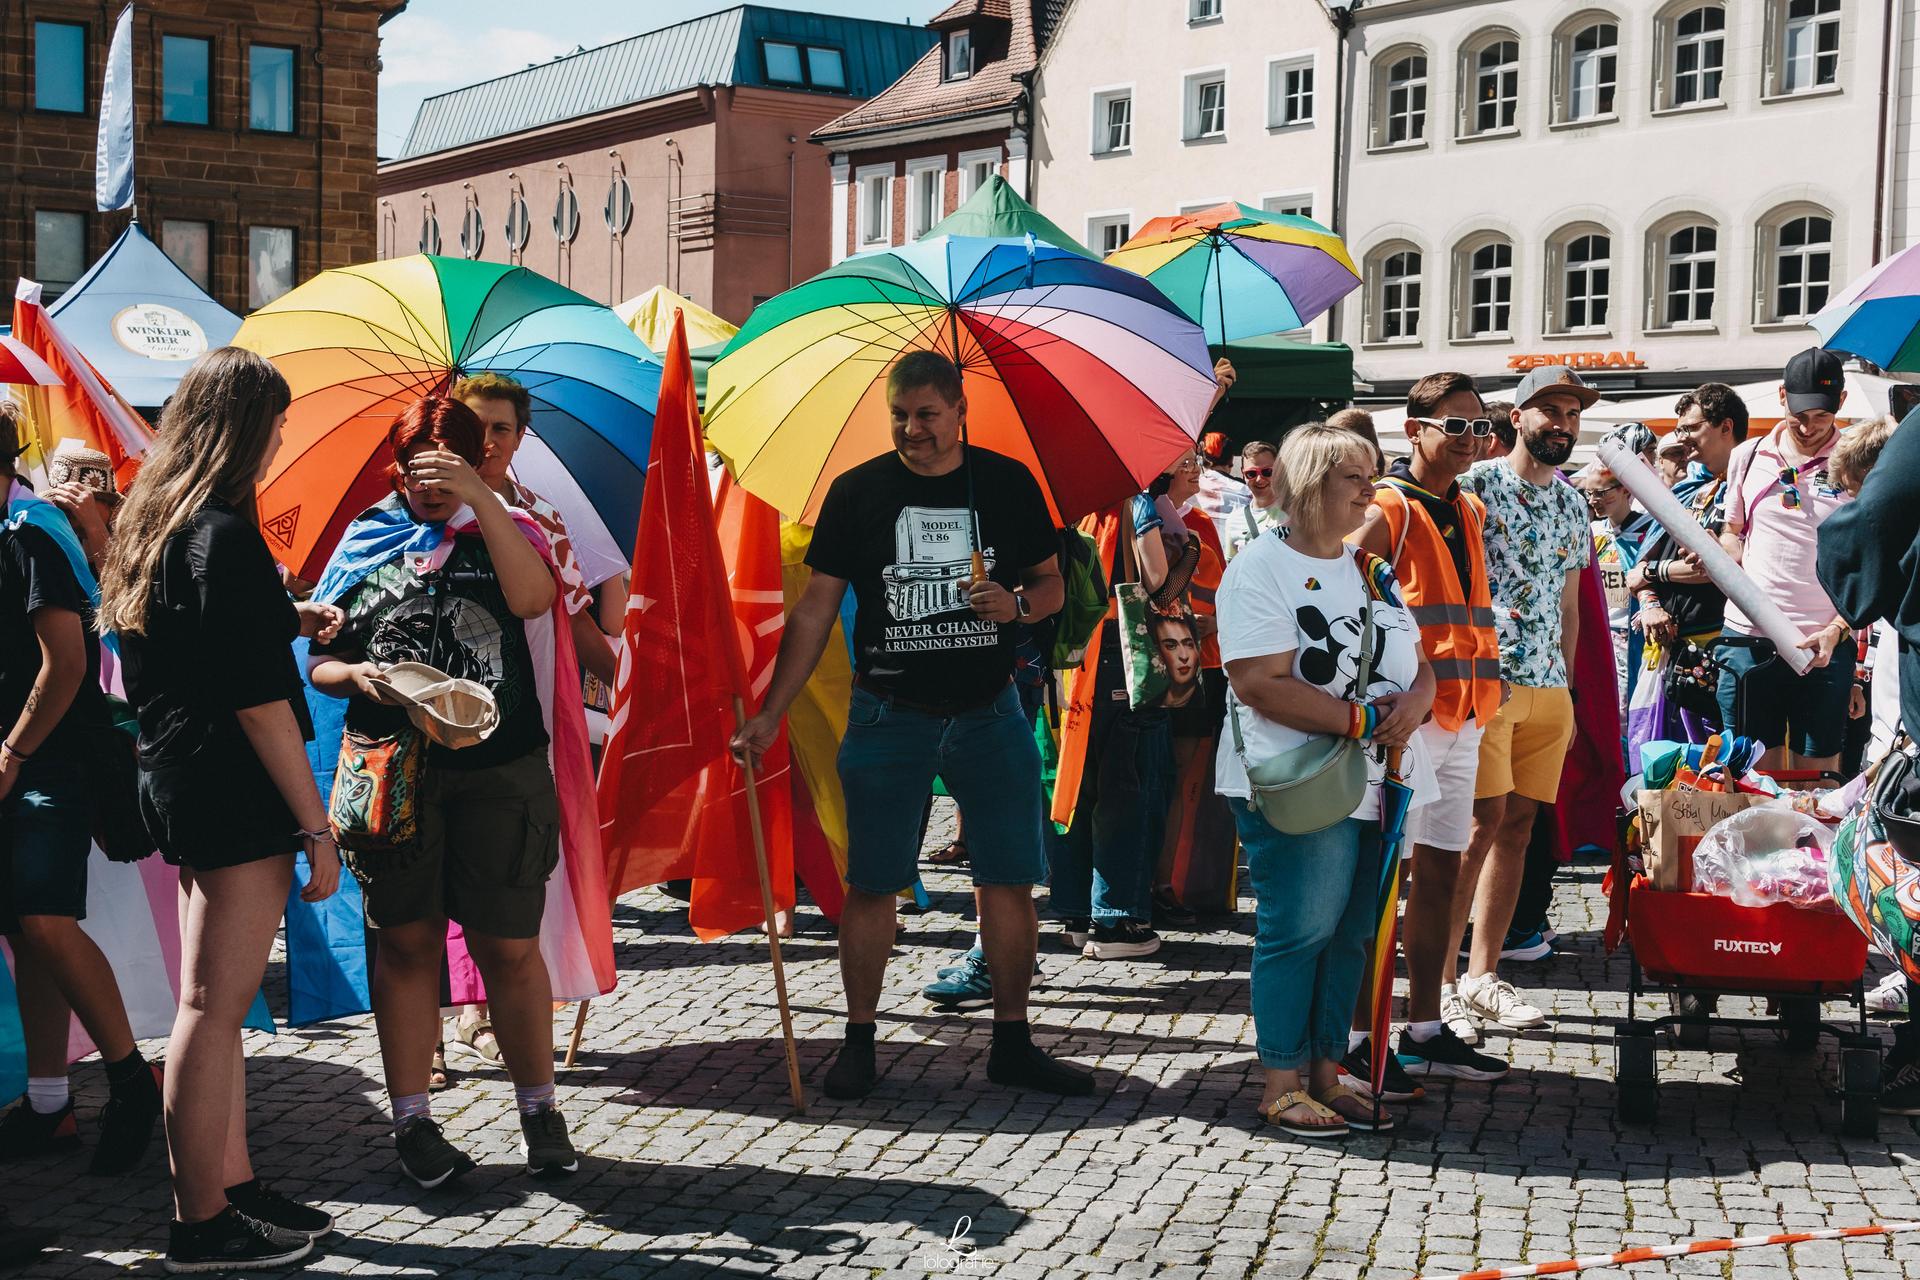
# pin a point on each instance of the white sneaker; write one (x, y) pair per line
(1890, 996)
(1494, 1000)
(1453, 1012)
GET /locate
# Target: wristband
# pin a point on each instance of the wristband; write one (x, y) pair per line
(15, 752)
(322, 833)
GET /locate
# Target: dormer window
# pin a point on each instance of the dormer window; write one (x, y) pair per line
(959, 54)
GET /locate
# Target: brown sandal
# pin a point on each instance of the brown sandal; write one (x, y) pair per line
(1298, 1098)
(954, 855)
(437, 1073)
(1359, 1114)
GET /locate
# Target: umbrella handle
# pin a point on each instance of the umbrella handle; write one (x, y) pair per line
(979, 567)
(1394, 757)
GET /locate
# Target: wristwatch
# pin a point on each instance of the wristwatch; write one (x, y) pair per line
(1022, 607)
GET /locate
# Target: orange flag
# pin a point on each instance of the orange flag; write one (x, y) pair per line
(702, 626)
(86, 407)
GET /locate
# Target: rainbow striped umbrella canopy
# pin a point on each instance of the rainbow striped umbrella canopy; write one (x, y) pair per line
(1084, 372)
(1877, 317)
(1240, 271)
(359, 344)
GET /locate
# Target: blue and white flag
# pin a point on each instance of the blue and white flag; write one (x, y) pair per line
(113, 151)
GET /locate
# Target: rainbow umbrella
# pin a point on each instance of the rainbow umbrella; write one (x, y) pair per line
(1084, 372)
(1877, 317)
(1396, 798)
(358, 344)
(1240, 271)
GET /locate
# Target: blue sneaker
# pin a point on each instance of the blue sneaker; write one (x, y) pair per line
(964, 987)
(1528, 946)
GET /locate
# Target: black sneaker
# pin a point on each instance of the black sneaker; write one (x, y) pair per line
(426, 1155)
(1075, 930)
(853, 1072)
(1900, 1094)
(1027, 1066)
(25, 1133)
(1395, 1086)
(127, 1124)
(1122, 941)
(289, 1217)
(1446, 1054)
(230, 1242)
(549, 1151)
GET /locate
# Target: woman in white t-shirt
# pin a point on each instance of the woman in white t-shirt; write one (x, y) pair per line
(1291, 612)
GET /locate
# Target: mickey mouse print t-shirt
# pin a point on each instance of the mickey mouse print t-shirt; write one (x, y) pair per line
(1275, 600)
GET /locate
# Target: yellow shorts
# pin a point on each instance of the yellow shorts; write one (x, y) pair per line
(1525, 746)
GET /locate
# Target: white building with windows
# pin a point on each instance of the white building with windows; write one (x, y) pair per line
(1152, 107)
(1658, 191)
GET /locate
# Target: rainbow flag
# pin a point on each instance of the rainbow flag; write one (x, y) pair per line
(86, 408)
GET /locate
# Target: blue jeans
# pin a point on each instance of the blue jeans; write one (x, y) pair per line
(987, 758)
(1762, 698)
(1103, 865)
(1313, 920)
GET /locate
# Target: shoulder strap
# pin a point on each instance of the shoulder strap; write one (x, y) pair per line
(1253, 526)
(1364, 669)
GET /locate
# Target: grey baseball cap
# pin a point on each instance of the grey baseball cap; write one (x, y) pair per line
(1551, 377)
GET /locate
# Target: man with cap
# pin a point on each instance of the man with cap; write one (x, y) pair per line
(1779, 491)
(1537, 541)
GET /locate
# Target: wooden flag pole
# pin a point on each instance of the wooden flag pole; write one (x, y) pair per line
(580, 1018)
(766, 904)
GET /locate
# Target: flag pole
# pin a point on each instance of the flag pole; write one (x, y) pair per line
(748, 772)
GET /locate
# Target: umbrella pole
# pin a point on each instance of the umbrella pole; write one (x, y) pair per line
(979, 566)
(766, 905)
(1383, 956)
(580, 1017)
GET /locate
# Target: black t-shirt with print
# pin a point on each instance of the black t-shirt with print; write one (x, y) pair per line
(219, 639)
(391, 617)
(35, 575)
(904, 542)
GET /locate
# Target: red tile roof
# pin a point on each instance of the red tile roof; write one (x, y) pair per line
(923, 97)
(1000, 9)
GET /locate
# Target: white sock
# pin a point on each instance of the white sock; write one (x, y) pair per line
(1423, 1031)
(47, 1094)
(1353, 1040)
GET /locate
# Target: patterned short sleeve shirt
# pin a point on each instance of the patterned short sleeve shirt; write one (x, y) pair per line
(1534, 535)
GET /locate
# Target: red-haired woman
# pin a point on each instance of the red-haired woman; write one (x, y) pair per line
(439, 572)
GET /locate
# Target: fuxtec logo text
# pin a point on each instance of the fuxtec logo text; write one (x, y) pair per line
(1740, 946)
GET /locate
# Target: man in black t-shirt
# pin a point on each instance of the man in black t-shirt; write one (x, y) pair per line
(933, 695)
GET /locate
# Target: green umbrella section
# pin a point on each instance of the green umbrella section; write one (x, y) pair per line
(1275, 368)
(996, 209)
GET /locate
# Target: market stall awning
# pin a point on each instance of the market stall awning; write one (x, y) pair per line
(1275, 368)
(1868, 396)
(140, 320)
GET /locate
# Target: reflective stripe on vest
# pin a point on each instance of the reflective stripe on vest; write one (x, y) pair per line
(1456, 633)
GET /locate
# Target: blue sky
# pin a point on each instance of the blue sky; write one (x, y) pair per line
(437, 45)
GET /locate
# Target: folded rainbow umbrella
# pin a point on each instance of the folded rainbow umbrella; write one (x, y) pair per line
(1877, 317)
(1242, 272)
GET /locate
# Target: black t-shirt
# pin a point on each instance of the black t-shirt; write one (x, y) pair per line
(35, 575)
(391, 617)
(904, 542)
(1696, 608)
(219, 639)
(1446, 518)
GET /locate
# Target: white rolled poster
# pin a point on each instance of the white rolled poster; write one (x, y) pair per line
(1660, 503)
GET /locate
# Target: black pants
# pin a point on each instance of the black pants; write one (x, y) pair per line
(1536, 883)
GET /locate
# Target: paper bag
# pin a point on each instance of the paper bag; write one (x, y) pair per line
(1671, 824)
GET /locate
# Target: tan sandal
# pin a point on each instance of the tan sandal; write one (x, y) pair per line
(1364, 1121)
(1298, 1098)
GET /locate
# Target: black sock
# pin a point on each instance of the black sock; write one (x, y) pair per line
(861, 1033)
(128, 1070)
(1011, 1035)
(248, 1185)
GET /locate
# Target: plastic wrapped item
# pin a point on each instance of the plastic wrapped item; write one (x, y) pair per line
(1767, 854)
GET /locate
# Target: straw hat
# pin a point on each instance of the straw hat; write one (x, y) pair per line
(73, 461)
(454, 713)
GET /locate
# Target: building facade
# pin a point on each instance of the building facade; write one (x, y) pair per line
(676, 157)
(254, 138)
(962, 112)
(1154, 107)
(1659, 192)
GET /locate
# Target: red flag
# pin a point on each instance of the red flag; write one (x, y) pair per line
(702, 627)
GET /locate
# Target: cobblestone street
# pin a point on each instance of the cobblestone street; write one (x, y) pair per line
(692, 1162)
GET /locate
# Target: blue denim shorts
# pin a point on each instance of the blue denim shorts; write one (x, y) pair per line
(46, 835)
(990, 764)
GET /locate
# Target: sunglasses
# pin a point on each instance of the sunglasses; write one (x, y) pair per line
(1480, 427)
(1594, 495)
(1257, 473)
(1789, 494)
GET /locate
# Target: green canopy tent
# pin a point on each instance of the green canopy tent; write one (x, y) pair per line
(996, 209)
(1280, 383)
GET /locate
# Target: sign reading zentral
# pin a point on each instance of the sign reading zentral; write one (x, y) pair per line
(1578, 360)
(159, 332)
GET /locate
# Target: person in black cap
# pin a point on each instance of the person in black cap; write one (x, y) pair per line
(1780, 489)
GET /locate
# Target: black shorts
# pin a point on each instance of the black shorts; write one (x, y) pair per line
(46, 835)
(207, 814)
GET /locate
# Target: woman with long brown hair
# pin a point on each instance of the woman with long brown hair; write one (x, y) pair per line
(206, 632)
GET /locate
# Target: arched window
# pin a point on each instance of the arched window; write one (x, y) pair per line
(1400, 99)
(1393, 311)
(1699, 56)
(1586, 68)
(1805, 49)
(1483, 274)
(1685, 256)
(1794, 248)
(1491, 102)
(1579, 280)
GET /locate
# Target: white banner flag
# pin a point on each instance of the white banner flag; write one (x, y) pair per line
(113, 150)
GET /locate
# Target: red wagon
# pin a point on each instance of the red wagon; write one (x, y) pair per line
(1697, 947)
